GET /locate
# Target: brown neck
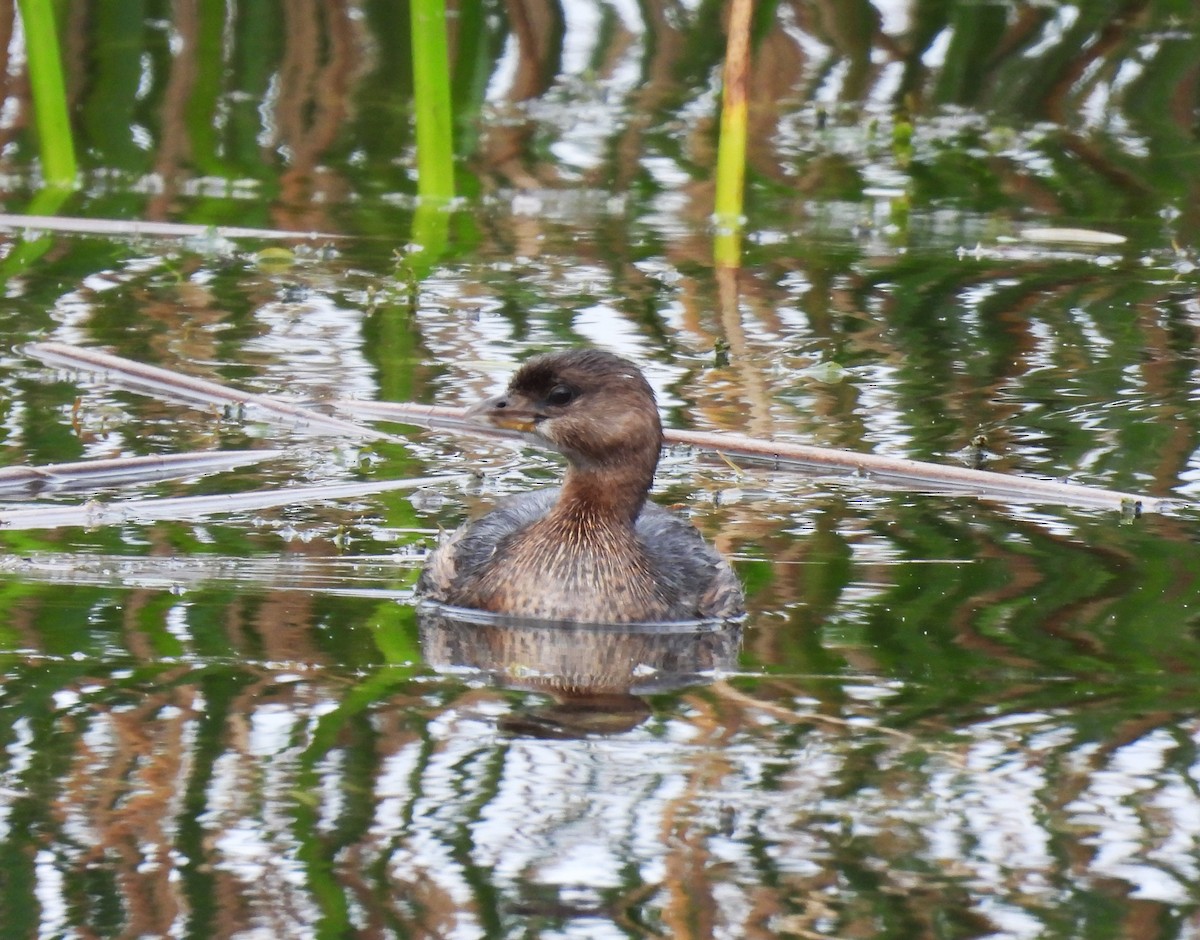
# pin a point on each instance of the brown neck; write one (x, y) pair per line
(616, 491)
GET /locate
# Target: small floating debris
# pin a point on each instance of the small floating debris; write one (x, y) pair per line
(125, 227)
(118, 471)
(275, 257)
(830, 372)
(94, 514)
(1071, 236)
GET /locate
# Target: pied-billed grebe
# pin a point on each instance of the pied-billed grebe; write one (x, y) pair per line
(593, 550)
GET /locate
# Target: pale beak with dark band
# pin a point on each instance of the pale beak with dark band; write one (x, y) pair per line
(508, 412)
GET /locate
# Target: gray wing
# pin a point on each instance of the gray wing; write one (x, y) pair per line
(473, 544)
(697, 578)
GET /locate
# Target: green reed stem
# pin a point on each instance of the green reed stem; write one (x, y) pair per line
(431, 89)
(49, 93)
(731, 148)
(26, 251)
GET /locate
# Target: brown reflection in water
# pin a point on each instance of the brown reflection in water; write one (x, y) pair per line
(504, 146)
(1167, 341)
(322, 59)
(122, 789)
(754, 391)
(188, 314)
(1024, 576)
(324, 48)
(853, 29)
(596, 674)
(135, 756)
(12, 86)
(647, 101)
(174, 140)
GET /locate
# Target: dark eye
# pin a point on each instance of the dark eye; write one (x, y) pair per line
(560, 395)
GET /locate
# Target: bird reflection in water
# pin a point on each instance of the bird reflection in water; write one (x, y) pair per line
(596, 674)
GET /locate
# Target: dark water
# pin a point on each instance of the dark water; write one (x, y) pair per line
(945, 716)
